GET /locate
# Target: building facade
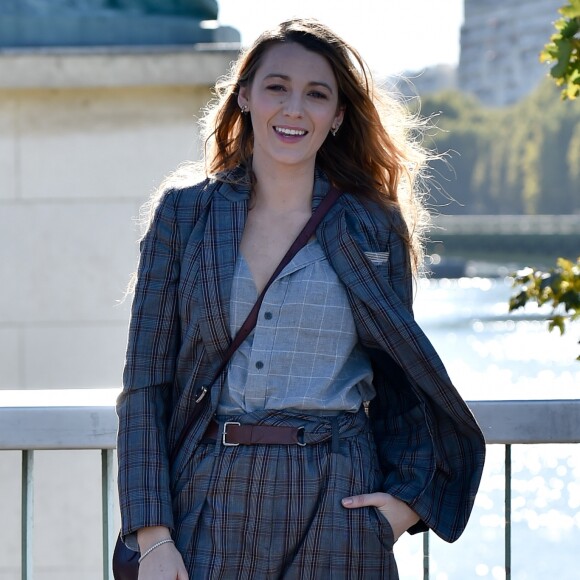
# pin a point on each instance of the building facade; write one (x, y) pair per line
(500, 45)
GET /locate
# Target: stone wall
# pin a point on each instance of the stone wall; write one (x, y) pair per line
(85, 137)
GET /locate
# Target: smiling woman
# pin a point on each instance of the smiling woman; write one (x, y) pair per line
(331, 426)
(291, 111)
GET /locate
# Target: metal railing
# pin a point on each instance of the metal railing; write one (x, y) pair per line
(85, 419)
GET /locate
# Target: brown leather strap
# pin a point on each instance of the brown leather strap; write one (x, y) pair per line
(300, 241)
(250, 322)
(236, 434)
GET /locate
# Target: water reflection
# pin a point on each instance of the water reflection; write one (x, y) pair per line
(491, 353)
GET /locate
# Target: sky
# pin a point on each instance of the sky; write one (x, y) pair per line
(393, 36)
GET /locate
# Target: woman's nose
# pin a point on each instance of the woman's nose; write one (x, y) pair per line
(293, 107)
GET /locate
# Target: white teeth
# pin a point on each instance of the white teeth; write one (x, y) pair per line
(292, 132)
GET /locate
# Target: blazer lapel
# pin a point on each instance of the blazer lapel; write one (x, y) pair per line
(223, 233)
(384, 322)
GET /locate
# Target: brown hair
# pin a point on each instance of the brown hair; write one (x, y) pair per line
(377, 151)
(376, 154)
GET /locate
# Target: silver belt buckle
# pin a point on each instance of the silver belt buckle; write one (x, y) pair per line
(225, 432)
(300, 434)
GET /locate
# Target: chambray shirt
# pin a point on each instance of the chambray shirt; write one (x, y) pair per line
(303, 353)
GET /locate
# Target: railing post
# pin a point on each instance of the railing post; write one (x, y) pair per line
(27, 514)
(426, 556)
(508, 512)
(107, 486)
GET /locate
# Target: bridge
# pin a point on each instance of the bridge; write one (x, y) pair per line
(523, 225)
(506, 237)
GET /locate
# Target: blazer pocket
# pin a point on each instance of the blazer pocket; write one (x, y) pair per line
(377, 258)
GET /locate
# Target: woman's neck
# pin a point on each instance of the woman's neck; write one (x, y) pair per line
(284, 189)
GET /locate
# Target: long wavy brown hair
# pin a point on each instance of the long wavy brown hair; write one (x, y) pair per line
(377, 152)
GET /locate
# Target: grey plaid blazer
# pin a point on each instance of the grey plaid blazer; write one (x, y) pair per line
(430, 448)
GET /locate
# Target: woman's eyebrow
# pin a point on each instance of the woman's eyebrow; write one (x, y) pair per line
(287, 78)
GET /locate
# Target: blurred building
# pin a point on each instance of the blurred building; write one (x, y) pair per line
(433, 79)
(500, 45)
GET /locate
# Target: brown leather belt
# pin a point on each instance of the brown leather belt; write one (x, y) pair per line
(234, 433)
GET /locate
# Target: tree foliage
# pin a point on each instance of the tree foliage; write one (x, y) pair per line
(564, 50)
(521, 159)
(559, 288)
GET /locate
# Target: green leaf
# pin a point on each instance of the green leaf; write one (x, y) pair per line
(557, 322)
(571, 300)
(565, 47)
(558, 71)
(559, 25)
(549, 53)
(572, 91)
(571, 28)
(559, 287)
(570, 11)
(518, 301)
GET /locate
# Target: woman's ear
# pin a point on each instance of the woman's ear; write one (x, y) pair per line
(243, 102)
(339, 116)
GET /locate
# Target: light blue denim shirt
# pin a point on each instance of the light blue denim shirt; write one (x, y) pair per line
(303, 354)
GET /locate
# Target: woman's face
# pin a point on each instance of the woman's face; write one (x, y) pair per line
(293, 102)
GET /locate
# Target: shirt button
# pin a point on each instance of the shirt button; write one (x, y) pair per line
(259, 365)
(268, 315)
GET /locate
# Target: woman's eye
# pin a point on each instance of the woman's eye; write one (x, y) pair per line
(318, 95)
(275, 88)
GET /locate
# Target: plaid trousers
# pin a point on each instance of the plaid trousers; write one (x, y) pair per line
(274, 511)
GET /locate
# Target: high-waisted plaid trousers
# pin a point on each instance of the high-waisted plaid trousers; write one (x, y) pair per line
(274, 511)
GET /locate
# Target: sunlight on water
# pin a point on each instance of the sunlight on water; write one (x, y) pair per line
(545, 521)
(492, 354)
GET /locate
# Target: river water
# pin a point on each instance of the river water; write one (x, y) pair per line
(491, 354)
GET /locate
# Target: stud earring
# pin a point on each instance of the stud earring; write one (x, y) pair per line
(244, 109)
(334, 130)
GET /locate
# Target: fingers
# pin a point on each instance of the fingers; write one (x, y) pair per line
(182, 572)
(164, 563)
(377, 499)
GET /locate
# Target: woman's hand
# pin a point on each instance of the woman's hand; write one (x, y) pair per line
(165, 561)
(399, 515)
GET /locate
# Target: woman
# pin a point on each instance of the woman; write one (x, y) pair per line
(335, 336)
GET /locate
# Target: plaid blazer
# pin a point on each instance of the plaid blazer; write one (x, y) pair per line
(430, 447)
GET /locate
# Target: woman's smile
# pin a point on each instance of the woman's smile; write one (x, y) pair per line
(289, 132)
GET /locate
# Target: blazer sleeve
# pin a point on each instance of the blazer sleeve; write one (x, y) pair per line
(142, 407)
(401, 433)
(432, 450)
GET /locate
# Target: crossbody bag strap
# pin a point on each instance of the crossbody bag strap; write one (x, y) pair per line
(250, 322)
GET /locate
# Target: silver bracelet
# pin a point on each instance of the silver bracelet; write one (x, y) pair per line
(160, 543)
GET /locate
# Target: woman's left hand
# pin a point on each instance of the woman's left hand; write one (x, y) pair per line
(398, 513)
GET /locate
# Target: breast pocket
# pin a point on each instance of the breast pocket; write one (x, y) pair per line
(381, 262)
(378, 258)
